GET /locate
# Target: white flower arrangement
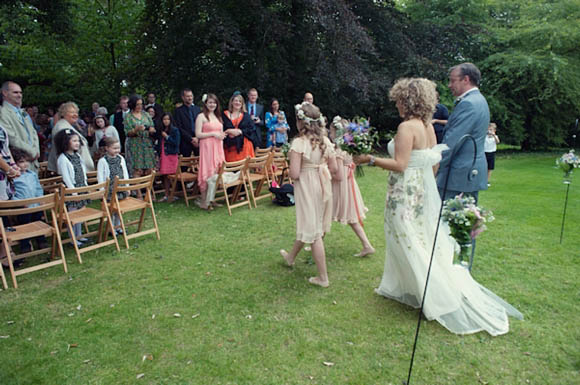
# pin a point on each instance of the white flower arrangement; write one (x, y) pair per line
(204, 98)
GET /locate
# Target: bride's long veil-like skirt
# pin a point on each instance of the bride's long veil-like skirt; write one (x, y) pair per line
(454, 298)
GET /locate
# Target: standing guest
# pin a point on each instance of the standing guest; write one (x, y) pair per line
(112, 165)
(209, 131)
(27, 186)
(119, 120)
(168, 143)
(491, 142)
(140, 130)
(309, 98)
(256, 111)
(470, 116)
(277, 125)
(32, 111)
(151, 111)
(185, 117)
(73, 171)
(17, 123)
(68, 117)
(440, 120)
(8, 169)
(311, 157)
(241, 133)
(151, 103)
(95, 109)
(102, 129)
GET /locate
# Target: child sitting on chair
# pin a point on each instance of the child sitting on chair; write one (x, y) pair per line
(27, 186)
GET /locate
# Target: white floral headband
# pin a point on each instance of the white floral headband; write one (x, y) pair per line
(204, 98)
(302, 116)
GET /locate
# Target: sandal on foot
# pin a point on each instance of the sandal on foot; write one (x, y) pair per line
(317, 281)
(365, 252)
(286, 257)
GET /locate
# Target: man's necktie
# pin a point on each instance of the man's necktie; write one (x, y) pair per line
(252, 110)
(191, 119)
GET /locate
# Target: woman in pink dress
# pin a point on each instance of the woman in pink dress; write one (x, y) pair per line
(168, 150)
(209, 131)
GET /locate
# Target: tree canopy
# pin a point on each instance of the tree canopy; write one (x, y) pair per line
(347, 52)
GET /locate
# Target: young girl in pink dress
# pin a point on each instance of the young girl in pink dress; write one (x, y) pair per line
(168, 141)
(311, 163)
(209, 131)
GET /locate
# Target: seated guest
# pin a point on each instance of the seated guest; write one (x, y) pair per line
(27, 186)
(241, 134)
(184, 119)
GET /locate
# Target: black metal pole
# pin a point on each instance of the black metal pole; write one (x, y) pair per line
(564, 213)
(470, 175)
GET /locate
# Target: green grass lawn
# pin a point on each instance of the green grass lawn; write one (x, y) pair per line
(244, 318)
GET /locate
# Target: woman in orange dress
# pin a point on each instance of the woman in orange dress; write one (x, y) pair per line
(209, 131)
(241, 135)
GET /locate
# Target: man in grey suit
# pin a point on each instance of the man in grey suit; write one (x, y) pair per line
(470, 116)
(18, 124)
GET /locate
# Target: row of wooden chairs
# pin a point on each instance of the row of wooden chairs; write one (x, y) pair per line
(59, 219)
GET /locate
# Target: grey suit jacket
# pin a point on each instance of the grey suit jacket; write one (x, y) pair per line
(470, 116)
(22, 136)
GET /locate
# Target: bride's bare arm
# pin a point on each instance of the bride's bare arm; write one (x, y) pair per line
(403, 147)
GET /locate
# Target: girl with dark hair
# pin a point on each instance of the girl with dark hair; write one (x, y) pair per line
(209, 131)
(101, 129)
(140, 130)
(73, 171)
(169, 138)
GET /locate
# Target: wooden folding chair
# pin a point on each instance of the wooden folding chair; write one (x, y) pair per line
(257, 172)
(92, 177)
(222, 184)
(279, 169)
(50, 185)
(12, 235)
(263, 151)
(190, 164)
(121, 207)
(86, 214)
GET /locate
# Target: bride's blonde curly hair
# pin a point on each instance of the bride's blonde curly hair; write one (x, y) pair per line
(311, 123)
(417, 98)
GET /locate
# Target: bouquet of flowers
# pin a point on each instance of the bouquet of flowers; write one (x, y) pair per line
(568, 162)
(285, 149)
(466, 221)
(355, 137)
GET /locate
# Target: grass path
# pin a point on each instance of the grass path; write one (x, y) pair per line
(246, 319)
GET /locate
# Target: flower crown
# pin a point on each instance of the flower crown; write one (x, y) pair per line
(302, 116)
(204, 98)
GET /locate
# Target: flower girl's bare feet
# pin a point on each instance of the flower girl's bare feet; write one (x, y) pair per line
(364, 252)
(286, 257)
(318, 281)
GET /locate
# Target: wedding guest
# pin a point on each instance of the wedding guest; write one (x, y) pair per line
(440, 120)
(209, 131)
(140, 130)
(411, 226)
(8, 170)
(312, 160)
(470, 116)
(27, 186)
(151, 103)
(185, 117)
(241, 133)
(277, 125)
(101, 129)
(256, 112)
(491, 142)
(68, 117)
(151, 111)
(309, 98)
(95, 109)
(73, 171)
(119, 120)
(17, 123)
(168, 143)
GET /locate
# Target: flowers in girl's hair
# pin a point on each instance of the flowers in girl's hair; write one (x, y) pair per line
(355, 137)
(466, 220)
(568, 162)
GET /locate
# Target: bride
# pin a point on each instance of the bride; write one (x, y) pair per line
(454, 298)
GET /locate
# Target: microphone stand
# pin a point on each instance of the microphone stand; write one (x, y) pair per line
(459, 144)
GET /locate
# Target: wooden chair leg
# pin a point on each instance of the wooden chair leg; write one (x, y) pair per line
(74, 241)
(155, 222)
(58, 240)
(184, 189)
(8, 251)
(172, 191)
(122, 220)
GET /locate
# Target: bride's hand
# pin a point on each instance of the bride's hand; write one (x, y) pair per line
(361, 159)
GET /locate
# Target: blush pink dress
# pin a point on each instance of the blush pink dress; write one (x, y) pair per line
(313, 190)
(348, 206)
(211, 154)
